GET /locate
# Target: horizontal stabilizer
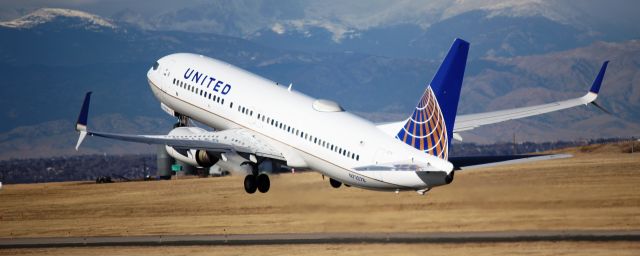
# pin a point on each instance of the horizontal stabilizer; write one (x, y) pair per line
(472, 162)
(601, 107)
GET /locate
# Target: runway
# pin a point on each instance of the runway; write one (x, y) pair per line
(324, 238)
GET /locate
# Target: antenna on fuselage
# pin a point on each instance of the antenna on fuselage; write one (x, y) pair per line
(290, 85)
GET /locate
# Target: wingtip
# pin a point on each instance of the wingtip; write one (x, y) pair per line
(595, 87)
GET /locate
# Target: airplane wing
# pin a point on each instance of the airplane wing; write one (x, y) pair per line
(468, 122)
(471, 121)
(238, 140)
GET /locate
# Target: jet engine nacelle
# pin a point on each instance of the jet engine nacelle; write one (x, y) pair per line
(197, 158)
(205, 158)
(194, 157)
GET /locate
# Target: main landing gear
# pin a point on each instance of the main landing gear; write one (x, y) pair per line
(335, 183)
(256, 181)
(260, 182)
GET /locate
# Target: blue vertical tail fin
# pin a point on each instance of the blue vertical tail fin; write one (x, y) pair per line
(430, 127)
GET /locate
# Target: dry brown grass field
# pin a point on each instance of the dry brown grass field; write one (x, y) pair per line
(597, 190)
(533, 249)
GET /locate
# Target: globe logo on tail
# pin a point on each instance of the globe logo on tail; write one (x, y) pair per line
(426, 130)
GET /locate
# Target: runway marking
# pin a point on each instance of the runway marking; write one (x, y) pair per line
(326, 238)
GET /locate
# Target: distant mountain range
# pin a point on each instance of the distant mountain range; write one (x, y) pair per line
(491, 36)
(49, 58)
(343, 20)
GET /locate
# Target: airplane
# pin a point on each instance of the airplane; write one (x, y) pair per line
(260, 126)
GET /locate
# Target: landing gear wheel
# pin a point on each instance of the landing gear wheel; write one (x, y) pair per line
(250, 184)
(263, 183)
(335, 183)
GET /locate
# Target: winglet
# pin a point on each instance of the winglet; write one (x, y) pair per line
(81, 125)
(595, 87)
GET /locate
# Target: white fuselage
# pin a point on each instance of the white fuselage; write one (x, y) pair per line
(335, 143)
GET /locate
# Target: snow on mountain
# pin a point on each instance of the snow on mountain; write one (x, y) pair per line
(46, 15)
(343, 19)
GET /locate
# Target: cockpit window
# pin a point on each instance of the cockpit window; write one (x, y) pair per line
(155, 65)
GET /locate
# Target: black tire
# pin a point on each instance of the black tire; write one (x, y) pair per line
(250, 184)
(335, 183)
(263, 183)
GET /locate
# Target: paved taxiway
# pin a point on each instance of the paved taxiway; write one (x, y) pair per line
(325, 238)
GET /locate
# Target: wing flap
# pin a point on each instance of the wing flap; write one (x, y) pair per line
(167, 140)
(236, 140)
